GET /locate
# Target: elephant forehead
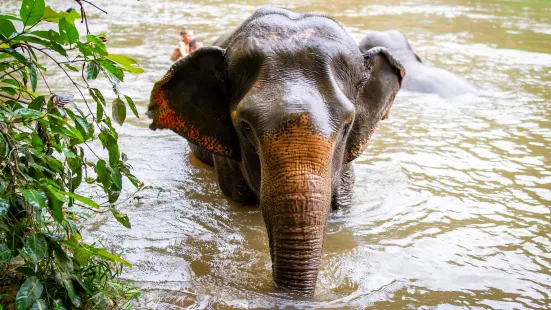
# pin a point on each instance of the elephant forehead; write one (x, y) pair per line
(391, 39)
(295, 125)
(276, 109)
(274, 34)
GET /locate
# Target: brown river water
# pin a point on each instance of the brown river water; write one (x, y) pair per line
(452, 206)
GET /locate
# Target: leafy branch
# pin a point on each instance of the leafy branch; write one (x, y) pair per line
(43, 163)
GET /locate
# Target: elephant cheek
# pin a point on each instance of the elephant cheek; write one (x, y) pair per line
(295, 200)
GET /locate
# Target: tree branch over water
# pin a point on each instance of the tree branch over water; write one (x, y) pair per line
(43, 164)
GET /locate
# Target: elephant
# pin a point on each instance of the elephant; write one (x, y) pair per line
(421, 77)
(281, 106)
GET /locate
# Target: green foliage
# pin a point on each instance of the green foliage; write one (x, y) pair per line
(45, 155)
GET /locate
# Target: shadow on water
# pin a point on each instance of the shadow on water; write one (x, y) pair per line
(452, 198)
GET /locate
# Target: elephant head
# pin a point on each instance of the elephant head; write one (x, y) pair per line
(394, 41)
(291, 99)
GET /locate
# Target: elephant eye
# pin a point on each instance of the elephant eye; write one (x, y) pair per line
(247, 131)
(246, 128)
(345, 129)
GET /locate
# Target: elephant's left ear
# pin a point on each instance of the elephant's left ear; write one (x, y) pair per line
(382, 80)
(192, 100)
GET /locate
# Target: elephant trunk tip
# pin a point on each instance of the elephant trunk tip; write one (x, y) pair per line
(296, 262)
(294, 287)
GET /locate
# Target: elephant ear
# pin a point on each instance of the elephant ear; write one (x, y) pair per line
(382, 80)
(192, 100)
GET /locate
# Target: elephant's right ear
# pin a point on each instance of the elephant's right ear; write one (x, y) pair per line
(383, 78)
(192, 100)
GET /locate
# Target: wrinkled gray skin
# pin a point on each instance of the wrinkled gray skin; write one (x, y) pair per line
(281, 106)
(421, 77)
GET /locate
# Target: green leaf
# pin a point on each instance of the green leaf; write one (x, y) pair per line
(98, 97)
(126, 62)
(113, 194)
(26, 271)
(58, 48)
(81, 124)
(15, 54)
(27, 38)
(36, 247)
(7, 16)
(117, 178)
(6, 28)
(27, 113)
(68, 66)
(58, 305)
(108, 138)
(119, 111)
(51, 16)
(54, 164)
(71, 132)
(32, 75)
(39, 305)
(4, 206)
(85, 49)
(97, 44)
(4, 149)
(82, 255)
(56, 207)
(121, 217)
(14, 239)
(68, 153)
(92, 70)
(45, 34)
(31, 11)
(5, 254)
(3, 185)
(9, 90)
(53, 39)
(82, 199)
(35, 197)
(68, 31)
(77, 179)
(64, 262)
(72, 225)
(4, 65)
(99, 113)
(132, 105)
(10, 81)
(104, 174)
(37, 143)
(68, 284)
(113, 70)
(112, 257)
(28, 293)
(37, 103)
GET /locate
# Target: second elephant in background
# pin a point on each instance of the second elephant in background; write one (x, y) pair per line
(420, 77)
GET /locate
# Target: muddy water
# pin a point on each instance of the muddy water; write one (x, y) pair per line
(452, 198)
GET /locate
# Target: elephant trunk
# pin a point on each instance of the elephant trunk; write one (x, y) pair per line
(295, 200)
(296, 250)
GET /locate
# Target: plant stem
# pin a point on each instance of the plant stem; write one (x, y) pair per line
(14, 99)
